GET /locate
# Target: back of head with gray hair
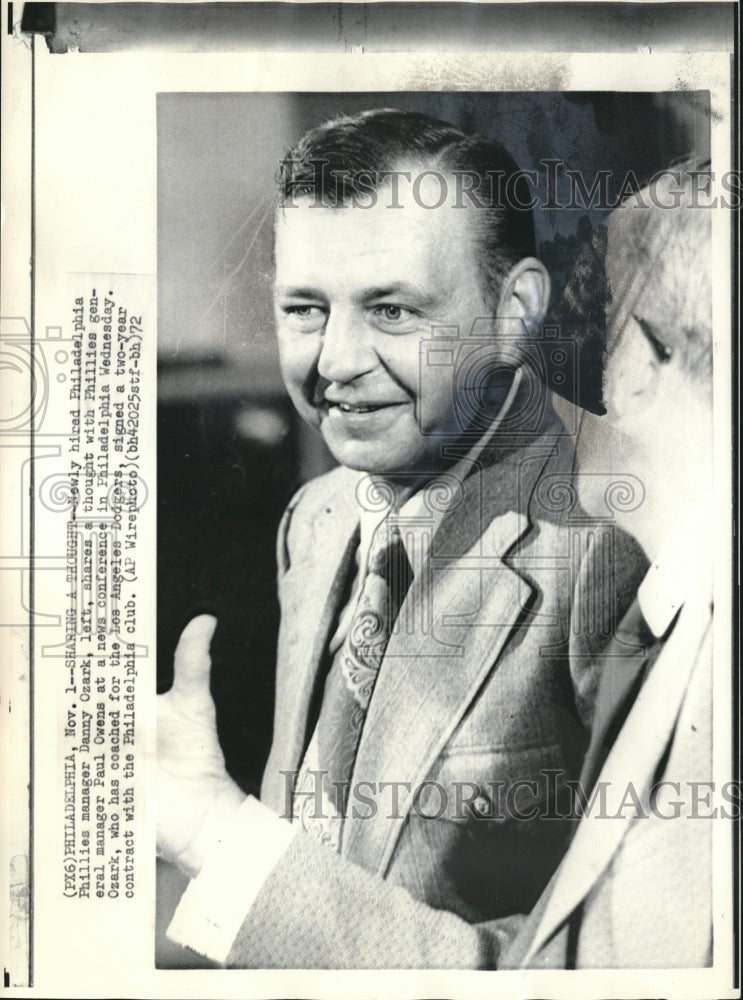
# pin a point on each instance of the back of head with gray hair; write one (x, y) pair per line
(652, 256)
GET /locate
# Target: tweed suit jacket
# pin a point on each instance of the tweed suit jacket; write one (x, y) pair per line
(494, 686)
(635, 890)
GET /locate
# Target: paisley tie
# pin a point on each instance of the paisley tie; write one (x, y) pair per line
(331, 755)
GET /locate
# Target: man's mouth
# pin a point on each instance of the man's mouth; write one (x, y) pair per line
(367, 407)
(351, 408)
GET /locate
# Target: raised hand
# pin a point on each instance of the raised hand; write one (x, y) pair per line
(196, 796)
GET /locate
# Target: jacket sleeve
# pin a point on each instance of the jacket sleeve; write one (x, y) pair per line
(270, 896)
(318, 910)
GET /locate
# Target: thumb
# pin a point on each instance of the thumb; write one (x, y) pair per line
(192, 663)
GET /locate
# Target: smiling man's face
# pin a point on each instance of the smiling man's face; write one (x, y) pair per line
(356, 292)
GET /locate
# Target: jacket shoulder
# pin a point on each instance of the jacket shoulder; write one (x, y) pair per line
(329, 489)
(332, 491)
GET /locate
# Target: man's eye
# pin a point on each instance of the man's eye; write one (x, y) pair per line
(304, 317)
(393, 313)
(303, 312)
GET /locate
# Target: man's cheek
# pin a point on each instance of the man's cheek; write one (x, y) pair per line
(294, 379)
(298, 367)
(303, 397)
(435, 399)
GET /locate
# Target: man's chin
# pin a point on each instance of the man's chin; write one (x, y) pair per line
(375, 460)
(372, 465)
(407, 473)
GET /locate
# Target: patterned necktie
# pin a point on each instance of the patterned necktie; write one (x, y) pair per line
(349, 686)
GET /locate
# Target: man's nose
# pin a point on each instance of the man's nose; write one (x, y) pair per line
(346, 352)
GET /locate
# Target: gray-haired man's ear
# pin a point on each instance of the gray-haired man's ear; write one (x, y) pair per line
(525, 294)
(631, 376)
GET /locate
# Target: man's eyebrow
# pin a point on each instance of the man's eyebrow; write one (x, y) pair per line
(399, 288)
(395, 288)
(297, 291)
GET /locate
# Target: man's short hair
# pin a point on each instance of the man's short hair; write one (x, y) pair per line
(346, 156)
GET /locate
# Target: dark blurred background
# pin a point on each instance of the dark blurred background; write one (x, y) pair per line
(230, 449)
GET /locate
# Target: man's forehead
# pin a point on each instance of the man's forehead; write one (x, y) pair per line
(403, 230)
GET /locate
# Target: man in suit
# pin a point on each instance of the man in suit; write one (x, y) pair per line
(434, 691)
(635, 888)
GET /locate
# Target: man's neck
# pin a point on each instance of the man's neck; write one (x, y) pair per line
(667, 503)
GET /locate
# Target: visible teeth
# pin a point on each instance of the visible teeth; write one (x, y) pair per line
(355, 409)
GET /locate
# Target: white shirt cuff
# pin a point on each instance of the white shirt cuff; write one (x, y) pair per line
(216, 902)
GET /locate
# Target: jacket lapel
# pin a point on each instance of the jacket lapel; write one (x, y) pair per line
(618, 677)
(457, 616)
(634, 756)
(309, 611)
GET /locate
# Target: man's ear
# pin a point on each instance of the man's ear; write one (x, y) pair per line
(632, 376)
(526, 293)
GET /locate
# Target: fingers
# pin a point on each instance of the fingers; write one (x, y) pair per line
(192, 663)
